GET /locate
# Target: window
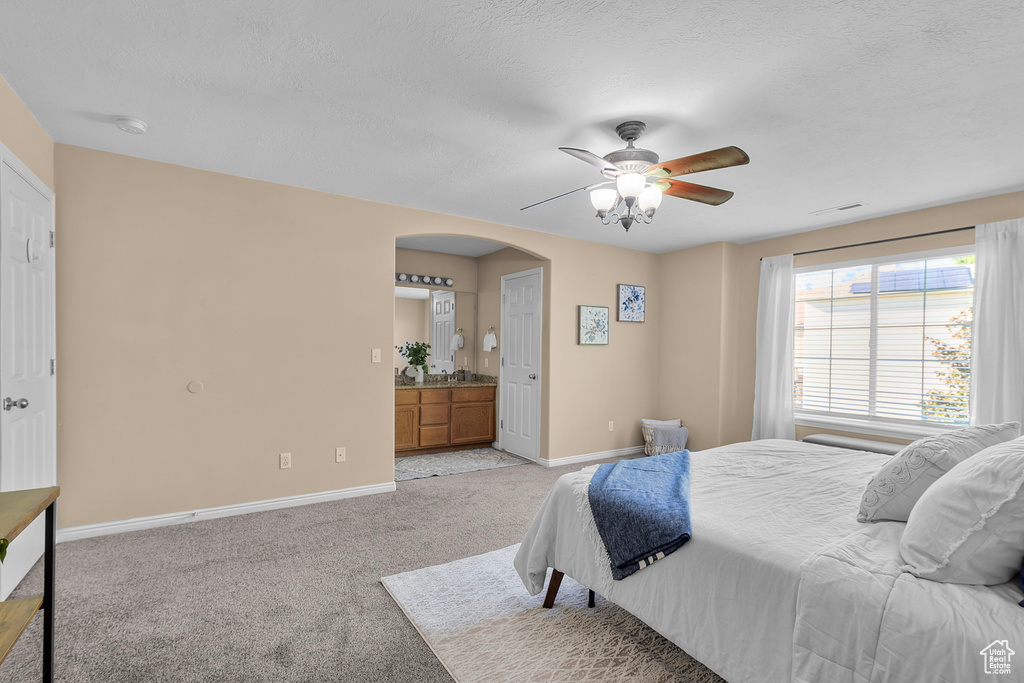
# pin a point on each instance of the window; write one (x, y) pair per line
(886, 341)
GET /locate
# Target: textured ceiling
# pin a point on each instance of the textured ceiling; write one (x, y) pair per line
(459, 106)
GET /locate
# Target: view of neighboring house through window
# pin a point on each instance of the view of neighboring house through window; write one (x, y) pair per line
(886, 341)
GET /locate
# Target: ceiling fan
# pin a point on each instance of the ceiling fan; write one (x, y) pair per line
(639, 180)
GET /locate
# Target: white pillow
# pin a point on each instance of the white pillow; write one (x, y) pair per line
(647, 427)
(893, 491)
(969, 526)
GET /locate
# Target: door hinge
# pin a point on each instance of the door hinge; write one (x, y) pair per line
(502, 361)
(502, 298)
(51, 239)
(53, 366)
(502, 424)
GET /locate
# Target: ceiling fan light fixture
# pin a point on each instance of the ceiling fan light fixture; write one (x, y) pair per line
(630, 185)
(631, 167)
(649, 199)
(604, 199)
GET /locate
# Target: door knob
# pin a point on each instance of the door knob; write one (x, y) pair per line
(11, 403)
(533, 376)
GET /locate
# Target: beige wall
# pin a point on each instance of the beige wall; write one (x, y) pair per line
(168, 274)
(725, 307)
(22, 134)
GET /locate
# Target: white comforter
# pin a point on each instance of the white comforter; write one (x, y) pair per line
(754, 593)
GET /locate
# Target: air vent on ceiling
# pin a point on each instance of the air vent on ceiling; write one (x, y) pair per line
(835, 209)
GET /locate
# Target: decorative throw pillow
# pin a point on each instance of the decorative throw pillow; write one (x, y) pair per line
(968, 527)
(892, 492)
(647, 425)
(667, 440)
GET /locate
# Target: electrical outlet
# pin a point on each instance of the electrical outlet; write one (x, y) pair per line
(286, 460)
(611, 426)
(375, 356)
(487, 362)
(339, 454)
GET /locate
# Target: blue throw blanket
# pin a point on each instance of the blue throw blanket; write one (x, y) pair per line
(642, 509)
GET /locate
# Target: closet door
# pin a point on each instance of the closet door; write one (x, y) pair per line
(27, 366)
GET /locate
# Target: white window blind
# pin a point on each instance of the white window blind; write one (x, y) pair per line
(886, 341)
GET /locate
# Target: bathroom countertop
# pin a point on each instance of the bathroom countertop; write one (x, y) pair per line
(480, 381)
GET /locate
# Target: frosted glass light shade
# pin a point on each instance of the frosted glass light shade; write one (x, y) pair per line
(604, 199)
(630, 184)
(650, 198)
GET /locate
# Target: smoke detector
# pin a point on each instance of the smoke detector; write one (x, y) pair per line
(131, 125)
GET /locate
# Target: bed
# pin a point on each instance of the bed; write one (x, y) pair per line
(780, 582)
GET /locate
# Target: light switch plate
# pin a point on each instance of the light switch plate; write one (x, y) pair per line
(339, 454)
(375, 356)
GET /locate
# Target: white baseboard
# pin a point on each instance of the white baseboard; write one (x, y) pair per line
(601, 455)
(73, 533)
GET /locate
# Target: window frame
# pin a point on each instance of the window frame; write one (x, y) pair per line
(879, 426)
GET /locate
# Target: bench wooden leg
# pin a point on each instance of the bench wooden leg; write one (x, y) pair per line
(590, 599)
(553, 585)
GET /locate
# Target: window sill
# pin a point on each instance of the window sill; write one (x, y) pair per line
(854, 425)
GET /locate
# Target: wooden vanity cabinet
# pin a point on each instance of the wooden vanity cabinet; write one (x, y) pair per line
(472, 415)
(432, 420)
(407, 420)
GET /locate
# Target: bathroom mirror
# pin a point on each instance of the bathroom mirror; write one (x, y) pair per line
(419, 316)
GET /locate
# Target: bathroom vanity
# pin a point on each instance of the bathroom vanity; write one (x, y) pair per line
(430, 418)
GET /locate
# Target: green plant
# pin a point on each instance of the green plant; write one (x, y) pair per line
(415, 352)
(953, 403)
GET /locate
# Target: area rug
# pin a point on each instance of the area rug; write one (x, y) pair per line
(453, 462)
(481, 623)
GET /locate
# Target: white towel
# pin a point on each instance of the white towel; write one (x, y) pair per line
(458, 341)
(490, 341)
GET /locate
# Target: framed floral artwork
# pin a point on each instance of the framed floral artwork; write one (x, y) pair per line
(593, 325)
(632, 303)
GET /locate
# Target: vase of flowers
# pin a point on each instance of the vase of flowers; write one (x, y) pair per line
(415, 353)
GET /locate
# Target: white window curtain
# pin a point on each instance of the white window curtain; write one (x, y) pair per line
(773, 375)
(997, 346)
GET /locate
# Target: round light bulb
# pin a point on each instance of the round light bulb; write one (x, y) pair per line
(449, 282)
(402, 277)
(604, 199)
(630, 184)
(650, 198)
(414, 278)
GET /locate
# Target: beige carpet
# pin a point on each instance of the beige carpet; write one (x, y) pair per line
(481, 623)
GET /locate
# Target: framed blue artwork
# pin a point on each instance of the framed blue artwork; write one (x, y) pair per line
(631, 303)
(593, 325)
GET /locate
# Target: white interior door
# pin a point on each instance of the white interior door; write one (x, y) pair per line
(520, 347)
(442, 329)
(27, 387)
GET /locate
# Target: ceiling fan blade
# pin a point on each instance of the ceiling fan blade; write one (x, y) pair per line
(706, 161)
(697, 193)
(566, 194)
(591, 158)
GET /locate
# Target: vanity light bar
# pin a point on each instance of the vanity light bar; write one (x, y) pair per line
(406, 278)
